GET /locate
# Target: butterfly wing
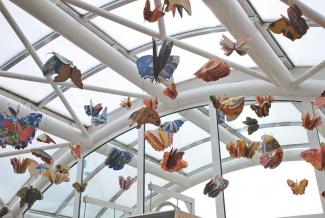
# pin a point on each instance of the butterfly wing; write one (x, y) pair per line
(315, 156)
(152, 16)
(26, 127)
(63, 74)
(163, 56)
(227, 45)
(45, 139)
(302, 186)
(293, 186)
(145, 67)
(44, 156)
(76, 78)
(283, 26)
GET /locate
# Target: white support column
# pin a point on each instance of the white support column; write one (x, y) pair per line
(141, 171)
(315, 143)
(77, 195)
(308, 12)
(39, 63)
(216, 158)
(309, 73)
(161, 23)
(234, 18)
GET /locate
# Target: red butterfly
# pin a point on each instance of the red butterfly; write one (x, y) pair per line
(316, 157)
(152, 16)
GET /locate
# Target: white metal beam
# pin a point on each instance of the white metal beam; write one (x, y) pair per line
(39, 63)
(234, 18)
(141, 169)
(308, 12)
(309, 73)
(147, 31)
(70, 84)
(77, 195)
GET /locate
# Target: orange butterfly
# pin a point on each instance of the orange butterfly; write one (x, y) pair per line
(159, 139)
(172, 161)
(230, 107)
(152, 16)
(298, 189)
(126, 103)
(241, 149)
(310, 122)
(294, 27)
(170, 91)
(320, 102)
(20, 166)
(45, 138)
(76, 151)
(263, 107)
(315, 156)
(213, 70)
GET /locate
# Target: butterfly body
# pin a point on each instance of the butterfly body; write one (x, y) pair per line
(298, 188)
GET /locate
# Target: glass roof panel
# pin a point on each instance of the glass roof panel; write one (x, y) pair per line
(128, 136)
(57, 106)
(210, 43)
(97, 3)
(196, 21)
(317, 5)
(274, 194)
(307, 51)
(269, 10)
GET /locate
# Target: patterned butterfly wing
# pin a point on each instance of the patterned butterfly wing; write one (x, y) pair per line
(145, 67)
(227, 45)
(76, 78)
(45, 139)
(44, 156)
(64, 74)
(163, 56)
(152, 16)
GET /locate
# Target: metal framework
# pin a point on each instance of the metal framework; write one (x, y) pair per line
(272, 77)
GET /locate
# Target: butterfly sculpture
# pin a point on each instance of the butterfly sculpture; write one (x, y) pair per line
(263, 107)
(45, 139)
(152, 16)
(75, 150)
(126, 103)
(36, 168)
(29, 195)
(79, 187)
(44, 156)
(216, 185)
(320, 102)
(171, 91)
(18, 133)
(125, 184)
(64, 69)
(59, 175)
(101, 118)
(298, 188)
(117, 159)
(159, 139)
(213, 70)
(20, 166)
(294, 27)
(92, 110)
(323, 194)
(159, 68)
(230, 107)
(310, 122)
(241, 149)
(172, 161)
(146, 114)
(272, 153)
(315, 156)
(252, 125)
(172, 126)
(172, 5)
(4, 211)
(229, 46)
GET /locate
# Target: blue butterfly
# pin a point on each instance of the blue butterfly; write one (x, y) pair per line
(100, 118)
(117, 159)
(172, 126)
(158, 68)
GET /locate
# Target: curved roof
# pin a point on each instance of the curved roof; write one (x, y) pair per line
(104, 39)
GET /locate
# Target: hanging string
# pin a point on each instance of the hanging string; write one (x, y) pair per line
(85, 209)
(177, 202)
(150, 200)
(114, 212)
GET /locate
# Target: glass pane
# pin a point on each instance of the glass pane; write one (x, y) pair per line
(269, 9)
(97, 3)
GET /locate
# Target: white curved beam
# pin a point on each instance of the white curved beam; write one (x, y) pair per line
(309, 73)
(308, 12)
(234, 18)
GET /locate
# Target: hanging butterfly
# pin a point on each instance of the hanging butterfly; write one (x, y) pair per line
(59, 175)
(323, 194)
(172, 5)
(152, 16)
(172, 126)
(241, 149)
(216, 185)
(20, 166)
(263, 107)
(213, 70)
(36, 168)
(159, 139)
(75, 150)
(230, 107)
(126, 103)
(45, 139)
(315, 156)
(172, 161)
(93, 110)
(310, 122)
(79, 187)
(4, 211)
(29, 195)
(125, 184)
(252, 125)
(272, 153)
(18, 133)
(229, 46)
(146, 114)
(158, 68)
(14, 112)
(294, 27)
(64, 69)
(320, 102)
(44, 156)
(101, 118)
(117, 159)
(298, 188)
(171, 91)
